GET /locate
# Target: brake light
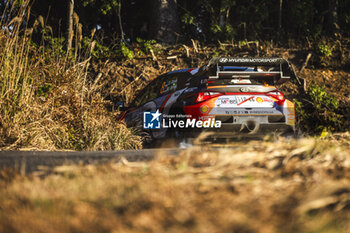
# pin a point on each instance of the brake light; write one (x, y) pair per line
(207, 95)
(277, 96)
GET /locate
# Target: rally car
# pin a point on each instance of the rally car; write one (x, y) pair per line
(228, 96)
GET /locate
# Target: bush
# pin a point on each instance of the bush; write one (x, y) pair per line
(145, 45)
(319, 110)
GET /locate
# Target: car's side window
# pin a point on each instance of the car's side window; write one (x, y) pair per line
(149, 93)
(163, 85)
(168, 85)
(144, 96)
(173, 82)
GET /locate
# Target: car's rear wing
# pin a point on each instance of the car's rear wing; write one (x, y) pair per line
(277, 70)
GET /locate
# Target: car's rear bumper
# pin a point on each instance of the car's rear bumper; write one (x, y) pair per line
(234, 130)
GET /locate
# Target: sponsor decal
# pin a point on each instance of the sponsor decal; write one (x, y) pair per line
(242, 100)
(290, 113)
(228, 101)
(251, 112)
(162, 88)
(204, 109)
(267, 99)
(245, 101)
(223, 60)
(151, 120)
(259, 100)
(291, 119)
(250, 60)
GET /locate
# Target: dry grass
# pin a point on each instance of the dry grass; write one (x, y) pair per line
(298, 186)
(15, 83)
(48, 101)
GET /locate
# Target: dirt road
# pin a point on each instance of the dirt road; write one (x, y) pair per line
(29, 161)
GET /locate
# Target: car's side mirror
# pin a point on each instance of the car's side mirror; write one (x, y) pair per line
(121, 106)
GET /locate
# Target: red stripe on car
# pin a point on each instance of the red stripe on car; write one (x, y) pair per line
(246, 100)
(163, 104)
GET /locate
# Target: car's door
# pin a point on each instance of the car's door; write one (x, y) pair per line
(177, 83)
(144, 102)
(158, 95)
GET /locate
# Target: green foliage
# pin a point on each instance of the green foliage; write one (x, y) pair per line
(318, 110)
(19, 3)
(325, 50)
(215, 28)
(54, 46)
(44, 90)
(215, 54)
(205, 20)
(126, 52)
(99, 52)
(225, 33)
(146, 45)
(242, 43)
(106, 6)
(187, 19)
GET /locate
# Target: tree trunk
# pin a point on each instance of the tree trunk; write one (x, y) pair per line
(280, 16)
(69, 34)
(120, 20)
(164, 21)
(333, 27)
